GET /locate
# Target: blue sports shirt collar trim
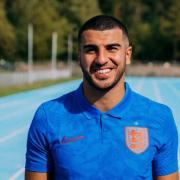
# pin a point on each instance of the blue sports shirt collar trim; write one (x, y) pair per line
(91, 111)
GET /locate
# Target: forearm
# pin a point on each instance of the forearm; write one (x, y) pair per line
(174, 176)
(36, 176)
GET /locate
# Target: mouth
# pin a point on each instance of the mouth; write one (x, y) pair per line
(102, 73)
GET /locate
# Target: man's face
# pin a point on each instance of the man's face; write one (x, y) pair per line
(103, 56)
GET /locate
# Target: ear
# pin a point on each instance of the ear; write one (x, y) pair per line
(128, 55)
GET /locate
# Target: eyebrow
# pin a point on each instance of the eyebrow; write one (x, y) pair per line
(95, 46)
(113, 44)
(89, 46)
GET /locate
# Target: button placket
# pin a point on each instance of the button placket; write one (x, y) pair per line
(104, 123)
(104, 130)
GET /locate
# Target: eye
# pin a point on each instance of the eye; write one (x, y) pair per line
(90, 49)
(112, 48)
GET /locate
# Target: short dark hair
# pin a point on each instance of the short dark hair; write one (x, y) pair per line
(101, 23)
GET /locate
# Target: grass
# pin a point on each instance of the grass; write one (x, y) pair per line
(25, 87)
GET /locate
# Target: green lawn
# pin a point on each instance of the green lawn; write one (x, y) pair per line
(25, 87)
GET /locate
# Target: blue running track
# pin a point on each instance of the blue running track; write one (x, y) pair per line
(16, 113)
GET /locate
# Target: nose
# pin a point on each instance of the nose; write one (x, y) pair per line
(102, 57)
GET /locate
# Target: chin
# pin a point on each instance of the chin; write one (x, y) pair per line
(103, 85)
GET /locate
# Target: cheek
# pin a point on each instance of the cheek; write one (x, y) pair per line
(119, 59)
(86, 62)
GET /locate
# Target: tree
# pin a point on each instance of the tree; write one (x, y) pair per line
(45, 19)
(64, 17)
(7, 36)
(154, 26)
(131, 13)
(77, 12)
(170, 27)
(107, 6)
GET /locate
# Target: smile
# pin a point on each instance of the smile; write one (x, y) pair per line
(103, 71)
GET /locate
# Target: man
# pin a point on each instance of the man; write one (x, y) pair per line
(103, 130)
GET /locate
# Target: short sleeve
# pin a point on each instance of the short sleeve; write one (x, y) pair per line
(38, 158)
(166, 160)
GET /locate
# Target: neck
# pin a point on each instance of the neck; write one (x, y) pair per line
(104, 101)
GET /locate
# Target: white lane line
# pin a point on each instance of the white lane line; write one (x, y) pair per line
(174, 90)
(17, 174)
(19, 112)
(27, 101)
(13, 134)
(29, 97)
(47, 92)
(140, 85)
(15, 102)
(157, 92)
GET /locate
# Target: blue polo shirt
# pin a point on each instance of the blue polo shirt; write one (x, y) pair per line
(73, 140)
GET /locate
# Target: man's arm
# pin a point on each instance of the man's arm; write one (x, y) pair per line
(165, 162)
(174, 176)
(38, 159)
(36, 176)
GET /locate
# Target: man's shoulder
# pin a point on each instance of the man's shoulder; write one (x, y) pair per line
(59, 103)
(51, 113)
(151, 107)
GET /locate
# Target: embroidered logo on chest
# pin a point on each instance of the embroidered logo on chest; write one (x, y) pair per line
(67, 140)
(137, 139)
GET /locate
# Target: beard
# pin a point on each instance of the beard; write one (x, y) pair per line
(87, 76)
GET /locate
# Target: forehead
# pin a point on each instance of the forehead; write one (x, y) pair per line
(105, 36)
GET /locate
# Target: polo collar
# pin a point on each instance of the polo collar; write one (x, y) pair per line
(90, 111)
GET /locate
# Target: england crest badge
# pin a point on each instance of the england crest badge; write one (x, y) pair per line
(137, 139)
